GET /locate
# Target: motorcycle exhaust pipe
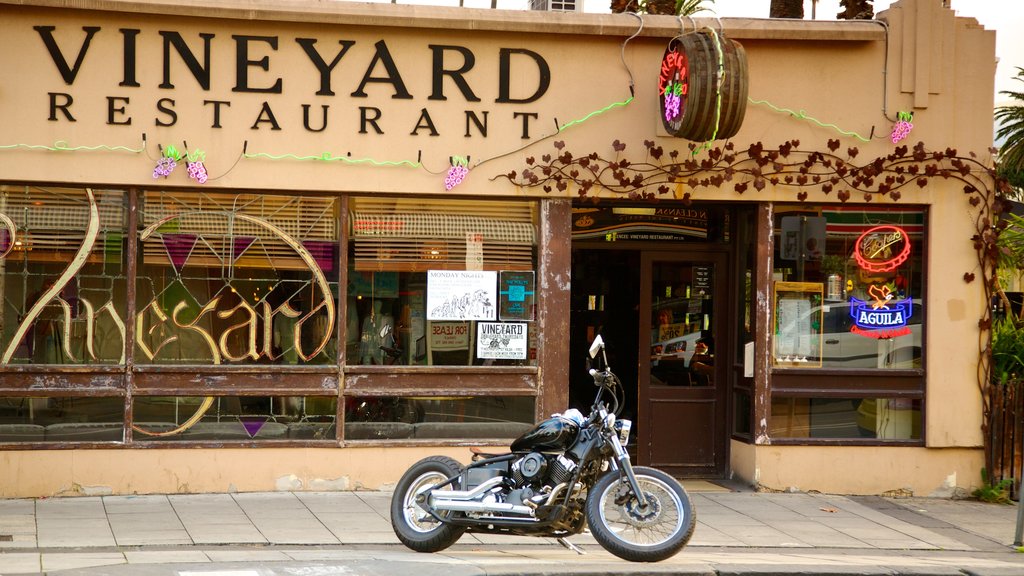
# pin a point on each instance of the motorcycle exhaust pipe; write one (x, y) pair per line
(467, 501)
(460, 495)
(445, 505)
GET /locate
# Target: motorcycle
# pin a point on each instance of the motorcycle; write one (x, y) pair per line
(569, 472)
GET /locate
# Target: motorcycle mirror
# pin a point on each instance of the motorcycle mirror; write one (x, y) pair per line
(596, 346)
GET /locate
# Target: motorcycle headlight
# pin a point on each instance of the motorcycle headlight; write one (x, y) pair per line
(622, 428)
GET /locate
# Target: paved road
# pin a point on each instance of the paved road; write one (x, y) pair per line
(306, 533)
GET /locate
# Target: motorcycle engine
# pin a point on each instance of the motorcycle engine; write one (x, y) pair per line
(536, 470)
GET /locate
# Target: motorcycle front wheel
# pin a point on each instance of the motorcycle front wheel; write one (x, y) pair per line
(416, 528)
(640, 534)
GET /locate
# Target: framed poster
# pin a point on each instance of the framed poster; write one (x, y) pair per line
(501, 340)
(516, 295)
(461, 294)
(797, 314)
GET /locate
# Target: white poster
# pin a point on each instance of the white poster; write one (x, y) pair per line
(501, 340)
(462, 295)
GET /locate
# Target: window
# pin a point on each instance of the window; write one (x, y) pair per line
(869, 268)
(848, 325)
(240, 278)
(62, 283)
(486, 253)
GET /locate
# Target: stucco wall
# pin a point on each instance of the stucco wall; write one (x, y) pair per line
(842, 74)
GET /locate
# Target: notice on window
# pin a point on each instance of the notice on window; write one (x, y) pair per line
(793, 339)
(501, 340)
(462, 295)
(516, 295)
(446, 336)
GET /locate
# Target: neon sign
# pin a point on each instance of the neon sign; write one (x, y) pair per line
(881, 318)
(673, 85)
(882, 249)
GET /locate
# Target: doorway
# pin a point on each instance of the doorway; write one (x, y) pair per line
(682, 397)
(661, 315)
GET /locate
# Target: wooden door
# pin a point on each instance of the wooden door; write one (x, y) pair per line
(682, 389)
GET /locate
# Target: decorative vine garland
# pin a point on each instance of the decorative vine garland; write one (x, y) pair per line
(673, 175)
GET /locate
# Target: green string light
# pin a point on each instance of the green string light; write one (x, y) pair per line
(595, 113)
(62, 146)
(328, 157)
(803, 116)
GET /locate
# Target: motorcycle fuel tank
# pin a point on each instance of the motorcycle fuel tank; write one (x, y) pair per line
(555, 433)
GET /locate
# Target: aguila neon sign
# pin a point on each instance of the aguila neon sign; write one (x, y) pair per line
(881, 317)
(881, 249)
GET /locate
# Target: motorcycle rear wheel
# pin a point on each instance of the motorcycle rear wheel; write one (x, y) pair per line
(414, 526)
(650, 534)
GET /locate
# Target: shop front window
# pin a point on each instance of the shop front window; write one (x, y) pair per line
(434, 418)
(441, 283)
(846, 418)
(848, 287)
(237, 279)
(233, 418)
(62, 283)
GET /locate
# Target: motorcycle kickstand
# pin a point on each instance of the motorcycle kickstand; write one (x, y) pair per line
(570, 546)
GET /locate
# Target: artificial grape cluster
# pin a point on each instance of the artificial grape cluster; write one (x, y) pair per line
(672, 102)
(164, 166)
(455, 176)
(901, 129)
(197, 172)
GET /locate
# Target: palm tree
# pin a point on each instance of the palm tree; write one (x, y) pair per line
(856, 10)
(786, 9)
(1010, 119)
(677, 7)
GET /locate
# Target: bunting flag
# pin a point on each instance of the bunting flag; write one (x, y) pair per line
(252, 424)
(179, 248)
(240, 245)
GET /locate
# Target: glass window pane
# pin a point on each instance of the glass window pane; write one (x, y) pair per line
(62, 284)
(61, 419)
(438, 417)
(242, 418)
(870, 266)
(237, 279)
(395, 245)
(388, 324)
(875, 418)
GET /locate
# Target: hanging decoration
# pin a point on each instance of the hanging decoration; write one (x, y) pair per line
(901, 129)
(168, 161)
(457, 172)
(702, 86)
(196, 166)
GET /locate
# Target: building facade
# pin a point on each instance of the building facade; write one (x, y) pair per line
(273, 245)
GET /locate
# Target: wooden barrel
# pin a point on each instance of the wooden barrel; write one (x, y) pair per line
(689, 87)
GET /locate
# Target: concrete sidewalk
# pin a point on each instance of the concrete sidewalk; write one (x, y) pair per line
(738, 532)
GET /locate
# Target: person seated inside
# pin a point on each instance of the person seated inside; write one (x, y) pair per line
(702, 364)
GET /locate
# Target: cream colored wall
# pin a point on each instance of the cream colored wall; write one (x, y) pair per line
(861, 469)
(940, 67)
(35, 473)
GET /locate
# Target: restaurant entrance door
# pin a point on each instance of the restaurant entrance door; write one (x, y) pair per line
(682, 389)
(661, 314)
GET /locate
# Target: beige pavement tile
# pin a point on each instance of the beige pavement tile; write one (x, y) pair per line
(246, 556)
(70, 560)
(19, 563)
(166, 556)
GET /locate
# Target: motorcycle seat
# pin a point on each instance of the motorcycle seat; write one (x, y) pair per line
(484, 453)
